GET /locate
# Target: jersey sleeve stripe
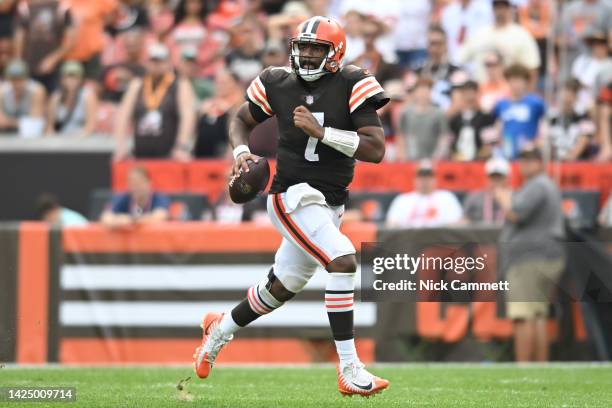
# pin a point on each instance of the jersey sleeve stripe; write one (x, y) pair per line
(257, 101)
(362, 84)
(261, 90)
(367, 93)
(258, 97)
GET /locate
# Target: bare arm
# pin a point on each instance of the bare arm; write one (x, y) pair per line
(371, 144)
(38, 102)
(51, 112)
(155, 216)
(124, 115)
(241, 125)
(112, 220)
(605, 133)
(18, 41)
(48, 64)
(91, 107)
(579, 147)
(186, 107)
(400, 147)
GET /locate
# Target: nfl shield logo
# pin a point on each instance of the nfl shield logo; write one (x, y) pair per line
(309, 99)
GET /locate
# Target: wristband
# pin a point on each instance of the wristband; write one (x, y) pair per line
(344, 141)
(240, 149)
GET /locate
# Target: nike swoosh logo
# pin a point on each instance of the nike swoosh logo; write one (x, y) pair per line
(363, 387)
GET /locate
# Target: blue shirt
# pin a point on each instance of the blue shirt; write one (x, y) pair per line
(71, 218)
(122, 204)
(520, 120)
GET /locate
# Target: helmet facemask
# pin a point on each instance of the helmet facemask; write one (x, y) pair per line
(311, 68)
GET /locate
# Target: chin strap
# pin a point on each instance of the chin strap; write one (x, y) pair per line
(344, 141)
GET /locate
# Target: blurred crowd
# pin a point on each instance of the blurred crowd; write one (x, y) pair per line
(469, 79)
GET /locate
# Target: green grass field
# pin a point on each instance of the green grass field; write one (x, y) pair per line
(419, 385)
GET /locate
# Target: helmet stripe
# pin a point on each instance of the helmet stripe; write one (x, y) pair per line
(315, 26)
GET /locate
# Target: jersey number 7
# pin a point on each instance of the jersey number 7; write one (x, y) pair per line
(309, 153)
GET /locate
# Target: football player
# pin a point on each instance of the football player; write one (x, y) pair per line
(327, 118)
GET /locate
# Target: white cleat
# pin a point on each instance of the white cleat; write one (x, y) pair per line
(212, 342)
(354, 379)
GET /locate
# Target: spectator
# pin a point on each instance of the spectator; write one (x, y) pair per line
(212, 129)
(570, 133)
(437, 67)
(190, 32)
(495, 87)
(604, 121)
(481, 207)
(423, 126)
(274, 54)
(520, 115)
(245, 59)
(8, 11)
(410, 22)
(161, 108)
(161, 18)
(50, 211)
(514, 43)
(371, 59)
(128, 15)
(282, 25)
(389, 16)
(576, 17)
(44, 36)
(73, 106)
(140, 205)
(535, 16)
(461, 19)
(22, 102)
(532, 254)
(588, 66)
(6, 52)
(90, 18)
(116, 76)
(203, 88)
(426, 207)
(470, 127)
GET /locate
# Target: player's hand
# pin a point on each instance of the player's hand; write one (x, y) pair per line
(303, 119)
(240, 164)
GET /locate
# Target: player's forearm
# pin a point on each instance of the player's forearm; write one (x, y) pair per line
(371, 148)
(240, 127)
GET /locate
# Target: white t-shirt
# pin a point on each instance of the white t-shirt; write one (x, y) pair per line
(515, 44)
(418, 210)
(461, 23)
(387, 13)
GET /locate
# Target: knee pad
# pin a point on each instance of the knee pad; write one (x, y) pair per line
(274, 288)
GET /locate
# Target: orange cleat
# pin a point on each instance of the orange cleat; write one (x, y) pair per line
(212, 342)
(354, 379)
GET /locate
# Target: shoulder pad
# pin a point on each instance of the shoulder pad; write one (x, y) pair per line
(272, 74)
(354, 73)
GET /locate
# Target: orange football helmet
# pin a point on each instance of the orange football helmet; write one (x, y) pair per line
(324, 31)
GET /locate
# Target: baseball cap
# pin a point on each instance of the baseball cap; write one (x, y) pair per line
(425, 168)
(158, 51)
(594, 35)
(16, 69)
(72, 68)
(497, 165)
